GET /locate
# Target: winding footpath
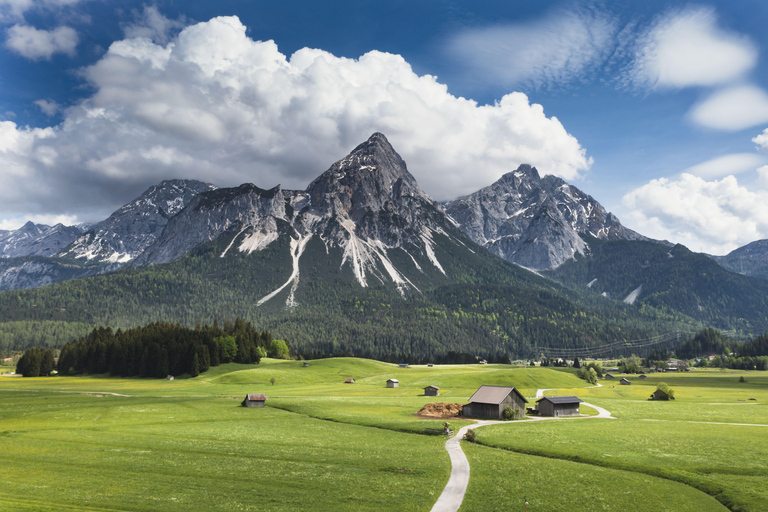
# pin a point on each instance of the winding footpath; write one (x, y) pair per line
(453, 494)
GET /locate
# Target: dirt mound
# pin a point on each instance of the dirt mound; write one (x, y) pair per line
(441, 410)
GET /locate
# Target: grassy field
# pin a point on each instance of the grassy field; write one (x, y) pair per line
(100, 443)
(712, 437)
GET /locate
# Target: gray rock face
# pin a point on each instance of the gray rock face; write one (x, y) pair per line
(135, 226)
(532, 221)
(37, 240)
(366, 204)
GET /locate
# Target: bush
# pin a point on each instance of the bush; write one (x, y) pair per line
(509, 413)
(470, 436)
(742, 379)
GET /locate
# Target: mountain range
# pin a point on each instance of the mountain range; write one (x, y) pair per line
(362, 261)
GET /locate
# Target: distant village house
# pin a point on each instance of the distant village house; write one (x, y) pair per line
(393, 383)
(431, 391)
(255, 400)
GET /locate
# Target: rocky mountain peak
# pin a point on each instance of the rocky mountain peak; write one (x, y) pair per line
(534, 221)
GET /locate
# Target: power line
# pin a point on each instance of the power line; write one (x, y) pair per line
(624, 345)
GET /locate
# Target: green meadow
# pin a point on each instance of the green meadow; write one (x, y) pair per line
(102, 443)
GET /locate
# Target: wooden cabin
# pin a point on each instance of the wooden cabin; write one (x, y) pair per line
(558, 406)
(489, 402)
(255, 400)
(609, 376)
(624, 382)
(305, 365)
(402, 365)
(393, 383)
(661, 395)
(431, 391)
(643, 376)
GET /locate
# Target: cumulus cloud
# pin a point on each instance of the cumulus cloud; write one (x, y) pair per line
(687, 48)
(733, 109)
(48, 107)
(153, 25)
(39, 44)
(762, 141)
(732, 164)
(555, 50)
(714, 216)
(218, 106)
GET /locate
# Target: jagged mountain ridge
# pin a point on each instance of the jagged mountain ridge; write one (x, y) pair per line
(534, 222)
(126, 233)
(366, 205)
(37, 240)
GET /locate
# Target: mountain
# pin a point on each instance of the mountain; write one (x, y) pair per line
(362, 261)
(750, 260)
(367, 205)
(669, 278)
(37, 240)
(133, 227)
(534, 222)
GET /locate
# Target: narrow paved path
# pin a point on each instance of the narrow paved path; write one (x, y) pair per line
(453, 494)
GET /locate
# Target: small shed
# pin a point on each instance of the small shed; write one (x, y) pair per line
(430, 365)
(305, 365)
(403, 365)
(255, 400)
(169, 377)
(349, 380)
(431, 391)
(558, 406)
(393, 383)
(609, 376)
(490, 401)
(624, 382)
(643, 376)
(660, 394)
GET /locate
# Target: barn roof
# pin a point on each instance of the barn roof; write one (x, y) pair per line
(256, 397)
(431, 387)
(494, 394)
(393, 380)
(561, 399)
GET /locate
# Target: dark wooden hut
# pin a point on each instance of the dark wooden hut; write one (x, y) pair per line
(490, 401)
(624, 382)
(558, 406)
(431, 391)
(255, 400)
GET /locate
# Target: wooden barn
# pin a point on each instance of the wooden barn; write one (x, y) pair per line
(489, 402)
(558, 406)
(660, 394)
(255, 400)
(624, 382)
(349, 380)
(305, 365)
(609, 376)
(403, 365)
(643, 376)
(431, 391)
(393, 383)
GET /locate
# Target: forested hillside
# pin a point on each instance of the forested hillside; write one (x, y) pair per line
(481, 305)
(672, 279)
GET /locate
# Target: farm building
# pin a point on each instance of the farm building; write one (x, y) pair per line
(624, 382)
(393, 383)
(609, 376)
(431, 391)
(169, 377)
(305, 365)
(402, 365)
(255, 400)
(558, 406)
(430, 365)
(349, 380)
(643, 376)
(660, 394)
(490, 401)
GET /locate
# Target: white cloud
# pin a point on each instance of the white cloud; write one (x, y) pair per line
(37, 44)
(732, 109)
(762, 141)
(49, 220)
(725, 165)
(49, 107)
(13, 10)
(687, 48)
(153, 25)
(554, 50)
(218, 106)
(710, 216)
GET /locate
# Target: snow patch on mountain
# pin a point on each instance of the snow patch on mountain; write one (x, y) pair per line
(632, 297)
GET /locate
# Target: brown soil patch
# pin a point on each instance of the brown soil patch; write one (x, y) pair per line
(440, 410)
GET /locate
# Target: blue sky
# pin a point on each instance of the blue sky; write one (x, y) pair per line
(658, 109)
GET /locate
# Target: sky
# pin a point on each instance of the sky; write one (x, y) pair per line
(658, 109)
